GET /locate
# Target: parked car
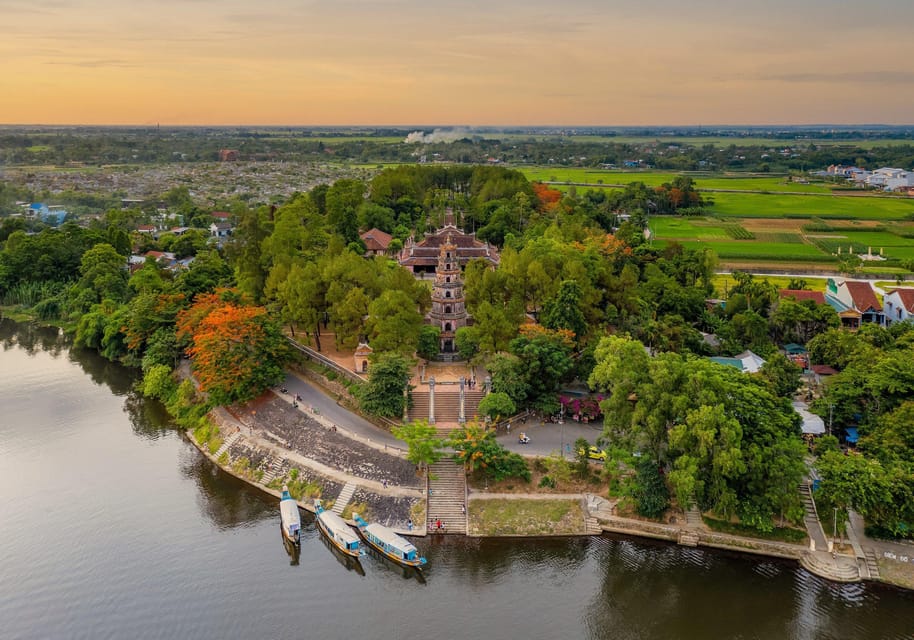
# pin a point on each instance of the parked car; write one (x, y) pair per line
(594, 453)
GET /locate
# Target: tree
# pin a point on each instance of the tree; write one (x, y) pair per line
(476, 448)
(342, 201)
(394, 323)
(649, 491)
(422, 441)
(428, 342)
(237, 351)
(853, 481)
(388, 376)
(495, 405)
(301, 297)
(246, 249)
(782, 374)
(102, 275)
(205, 274)
(564, 311)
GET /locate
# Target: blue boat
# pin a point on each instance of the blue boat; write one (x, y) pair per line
(291, 518)
(388, 543)
(337, 531)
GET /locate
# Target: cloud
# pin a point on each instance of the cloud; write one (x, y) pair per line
(844, 77)
(93, 64)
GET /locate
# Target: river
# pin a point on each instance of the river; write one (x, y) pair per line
(112, 525)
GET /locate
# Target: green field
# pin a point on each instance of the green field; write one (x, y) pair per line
(754, 250)
(739, 182)
(757, 205)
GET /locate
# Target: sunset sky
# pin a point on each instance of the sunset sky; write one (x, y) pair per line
(498, 62)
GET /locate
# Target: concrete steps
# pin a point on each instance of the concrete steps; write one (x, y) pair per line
(447, 490)
(343, 499)
(273, 468)
(447, 405)
(811, 518)
(688, 538)
(232, 439)
(592, 526)
(837, 568)
(871, 564)
(693, 517)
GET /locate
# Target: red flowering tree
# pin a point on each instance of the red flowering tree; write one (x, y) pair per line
(237, 350)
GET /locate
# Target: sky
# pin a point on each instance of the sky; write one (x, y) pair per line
(450, 62)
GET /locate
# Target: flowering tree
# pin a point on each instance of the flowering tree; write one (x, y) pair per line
(237, 350)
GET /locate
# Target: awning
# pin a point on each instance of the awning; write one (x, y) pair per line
(812, 423)
(852, 435)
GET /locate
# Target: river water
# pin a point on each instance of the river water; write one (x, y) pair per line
(112, 525)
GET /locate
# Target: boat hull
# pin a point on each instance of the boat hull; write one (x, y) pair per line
(355, 553)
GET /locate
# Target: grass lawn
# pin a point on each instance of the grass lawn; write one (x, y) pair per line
(755, 250)
(781, 534)
(503, 517)
(758, 205)
(725, 282)
(673, 228)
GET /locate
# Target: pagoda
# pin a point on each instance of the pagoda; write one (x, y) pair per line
(448, 311)
(421, 256)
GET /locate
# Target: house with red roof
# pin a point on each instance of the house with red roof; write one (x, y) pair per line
(855, 302)
(801, 294)
(899, 305)
(376, 242)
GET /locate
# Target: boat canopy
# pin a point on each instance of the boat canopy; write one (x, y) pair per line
(340, 529)
(291, 519)
(387, 537)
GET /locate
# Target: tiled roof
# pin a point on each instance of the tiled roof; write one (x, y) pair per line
(863, 295)
(799, 294)
(376, 240)
(906, 295)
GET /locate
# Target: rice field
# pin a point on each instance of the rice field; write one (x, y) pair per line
(757, 205)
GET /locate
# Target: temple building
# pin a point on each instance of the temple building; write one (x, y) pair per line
(423, 256)
(448, 311)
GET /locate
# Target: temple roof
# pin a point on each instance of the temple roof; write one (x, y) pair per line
(426, 251)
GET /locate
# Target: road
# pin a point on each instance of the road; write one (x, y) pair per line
(544, 438)
(311, 396)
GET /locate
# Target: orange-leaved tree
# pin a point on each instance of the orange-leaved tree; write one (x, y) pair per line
(237, 350)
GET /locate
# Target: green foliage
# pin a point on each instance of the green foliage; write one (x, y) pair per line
(394, 324)
(649, 491)
(476, 448)
(497, 404)
(782, 374)
(388, 376)
(429, 341)
(159, 383)
(564, 311)
(582, 461)
(421, 438)
(729, 441)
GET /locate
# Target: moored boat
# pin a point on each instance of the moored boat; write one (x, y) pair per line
(291, 518)
(337, 531)
(388, 543)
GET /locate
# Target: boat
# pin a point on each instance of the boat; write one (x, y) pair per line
(337, 531)
(291, 518)
(388, 543)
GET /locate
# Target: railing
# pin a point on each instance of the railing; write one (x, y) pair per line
(320, 358)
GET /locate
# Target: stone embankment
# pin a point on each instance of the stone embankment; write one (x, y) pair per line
(262, 445)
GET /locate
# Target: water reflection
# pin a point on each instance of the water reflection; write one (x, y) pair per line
(351, 563)
(224, 499)
(292, 550)
(32, 338)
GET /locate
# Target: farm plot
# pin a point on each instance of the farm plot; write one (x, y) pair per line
(890, 245)
(754, 250)
(759, 205)
(673, 228)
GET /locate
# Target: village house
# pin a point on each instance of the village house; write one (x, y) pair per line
(220, 230)
(855, 302)
(800, 295)
(376, 242)
(899, 305)
(747, 361)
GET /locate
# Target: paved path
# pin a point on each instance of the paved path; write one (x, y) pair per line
(312, 396)
(548, 437)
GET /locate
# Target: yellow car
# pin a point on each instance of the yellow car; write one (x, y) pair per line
(594, 453)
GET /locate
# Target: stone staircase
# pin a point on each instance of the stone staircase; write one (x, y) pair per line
(447, 491)
(811, 518)
(871, 563)
(447, 405)
(343, 499)
(419, 408)
(592, 526)
(838, 568)
(693, 517)
(273, 467)
(232, 439)
(688, 538)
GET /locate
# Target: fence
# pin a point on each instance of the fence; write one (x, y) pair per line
(321, 359)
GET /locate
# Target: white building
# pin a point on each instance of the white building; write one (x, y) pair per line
(899, 304)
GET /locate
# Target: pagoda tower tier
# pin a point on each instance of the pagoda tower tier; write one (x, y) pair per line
(448, 305)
